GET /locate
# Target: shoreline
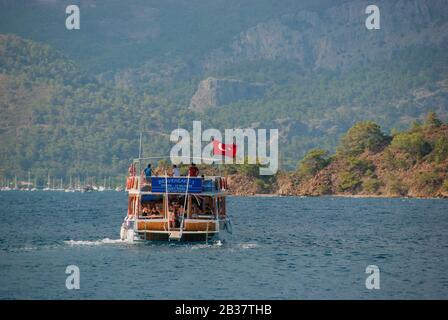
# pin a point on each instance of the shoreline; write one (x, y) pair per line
(276, 195)
(365, 196)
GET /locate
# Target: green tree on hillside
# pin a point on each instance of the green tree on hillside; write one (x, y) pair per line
(441, 149)
(432, 120)
(349, 181)
(365, 135)
(412, 143)
(428, 181)
(314, 161)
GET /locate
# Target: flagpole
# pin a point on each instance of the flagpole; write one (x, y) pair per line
(140, 146)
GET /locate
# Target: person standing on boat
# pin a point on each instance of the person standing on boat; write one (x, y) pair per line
(148, 173)
(176, 171)
(193, 171)
(131, 170)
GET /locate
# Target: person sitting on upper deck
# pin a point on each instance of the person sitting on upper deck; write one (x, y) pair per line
(176, 172)
(193, 171)
(148, 173)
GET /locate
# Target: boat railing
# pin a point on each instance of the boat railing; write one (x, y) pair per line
(159, 184)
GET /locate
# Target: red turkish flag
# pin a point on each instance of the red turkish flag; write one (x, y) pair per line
(222, 149)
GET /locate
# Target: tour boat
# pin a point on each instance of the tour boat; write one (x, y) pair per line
(166, 208)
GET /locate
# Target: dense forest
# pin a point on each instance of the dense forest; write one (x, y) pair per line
(74, 104)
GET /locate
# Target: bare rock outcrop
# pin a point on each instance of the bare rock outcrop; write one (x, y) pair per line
(213, 92)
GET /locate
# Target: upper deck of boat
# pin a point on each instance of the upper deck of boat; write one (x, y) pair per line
(159, 185)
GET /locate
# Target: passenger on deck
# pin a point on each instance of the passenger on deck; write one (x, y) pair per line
(193, 171)
(148, 173)
(146, 211)
(176, 171)
(131, 170)
(154, 212)
(208, 209)
(195, 210)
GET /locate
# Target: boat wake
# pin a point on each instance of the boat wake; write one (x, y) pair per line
(219, 244)
(247, 245)
(215, 244)
(94, 242)
(198, 246)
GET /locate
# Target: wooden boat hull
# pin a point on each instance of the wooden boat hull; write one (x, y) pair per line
(201, 237)
(163, 230)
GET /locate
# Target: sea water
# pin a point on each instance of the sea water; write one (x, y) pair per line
(281, 248)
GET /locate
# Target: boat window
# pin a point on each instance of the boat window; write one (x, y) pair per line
(151, 206)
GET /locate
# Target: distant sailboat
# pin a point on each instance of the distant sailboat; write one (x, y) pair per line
(48, 187)
(78, 185)
(28, 187)
(16, 186)
(34, 188)
(5, 185)
(103, 187)
(120, 188)
(61, 188)
(70, 188)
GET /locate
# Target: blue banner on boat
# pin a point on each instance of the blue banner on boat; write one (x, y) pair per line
(176, 185)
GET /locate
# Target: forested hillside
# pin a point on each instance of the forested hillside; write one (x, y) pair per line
(74, 102)
(367, 162)
(58, 119)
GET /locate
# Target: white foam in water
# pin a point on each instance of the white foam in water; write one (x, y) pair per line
(93, 243)
(216, 244)
(207, 245)
(249, 245)
(34, 248)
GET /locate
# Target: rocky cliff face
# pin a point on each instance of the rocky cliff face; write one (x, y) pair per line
(213, 92)
(337, 36)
